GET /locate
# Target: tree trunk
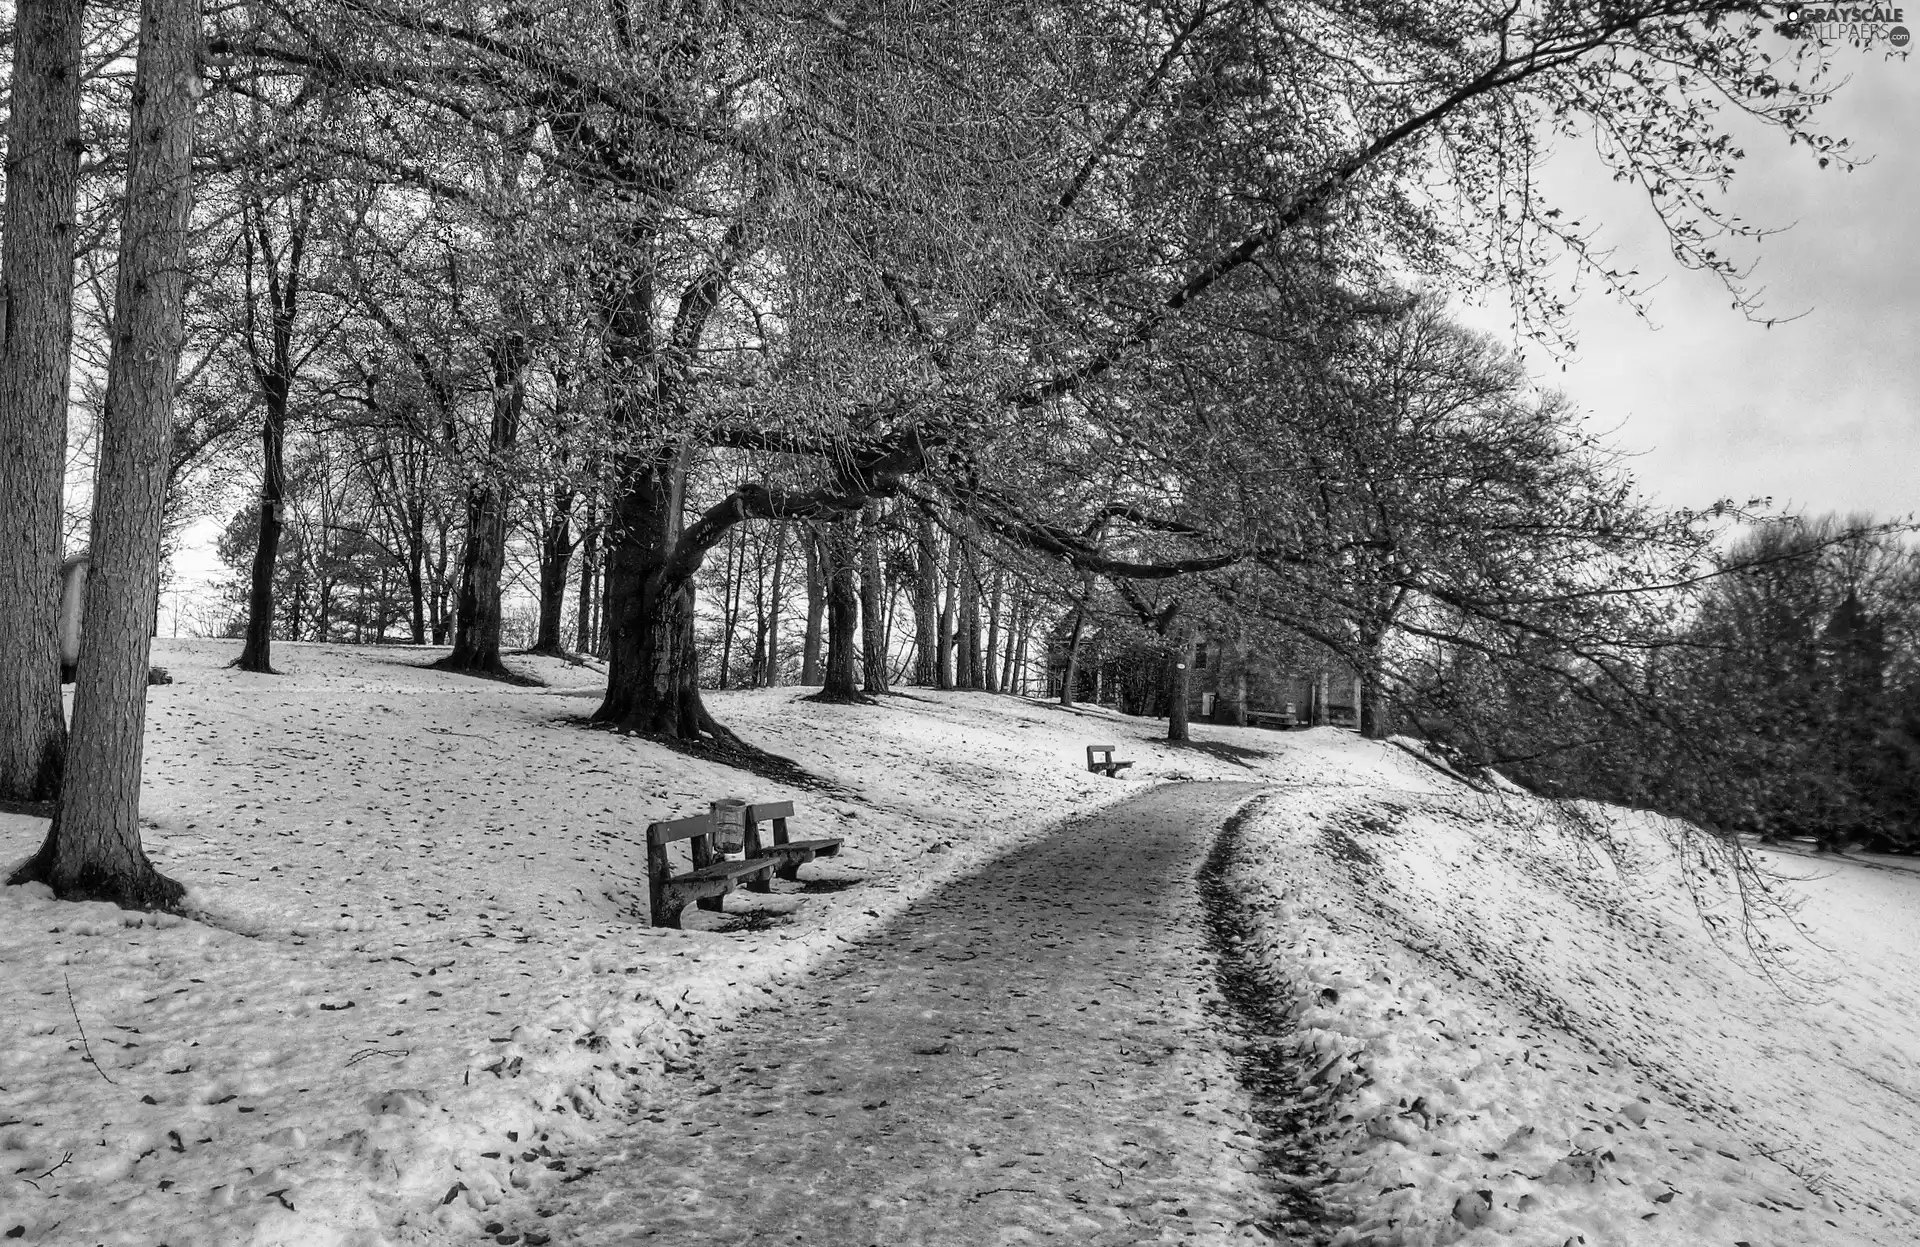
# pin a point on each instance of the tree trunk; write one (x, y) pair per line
(589, 557)
(93, 850)
(1019, 683)
(730, 605)
(556, 558)
(1016, 614)
(873, 632)
(774, 598)
(926, 605)
(476, 620)
(416, 581)
(1181, 683)
(1375, 723)
(1236, 673)
(273, 372)
(949, 616)
(323, 616)
(766, 629)
(843, 610)
(257, 653)
(990, 666)
(602, 618)
(967, 657)
(36, 326)
(1072, 672)
(816, 606)
(438, 601)
(653, 671)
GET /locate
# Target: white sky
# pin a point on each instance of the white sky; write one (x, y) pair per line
(1818, 414)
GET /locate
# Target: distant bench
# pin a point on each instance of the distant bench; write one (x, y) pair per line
(1100, 760)
(714, 874)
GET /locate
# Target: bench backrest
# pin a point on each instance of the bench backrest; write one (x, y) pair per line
(679, 829)
(1105, 750)
(770, 809)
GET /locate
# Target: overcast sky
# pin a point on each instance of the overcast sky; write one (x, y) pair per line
(1822, 414)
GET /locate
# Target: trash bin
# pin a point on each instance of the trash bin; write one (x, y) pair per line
(729, 825)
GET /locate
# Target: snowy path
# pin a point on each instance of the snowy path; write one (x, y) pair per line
(1031, 1052)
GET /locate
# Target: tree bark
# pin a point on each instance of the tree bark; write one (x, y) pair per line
(873, 632)
(93, 850)
(926, 604)
(1016, 616)
(1181, 683)
(416, 583)
(439, 614)
(766, 632)
(589, 558)
(556, 560)
(843, 610)
(967, 650)
(775, 597)
(36, 327)
(1019, 681)
(949, 617)
(1375, 722)
(816, 606)
(476, 621)
(653, 673)
(273, 371)
(1072, 673)
(990, 665)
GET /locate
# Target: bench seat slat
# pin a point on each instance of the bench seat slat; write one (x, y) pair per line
(825, 847)
(721, 870)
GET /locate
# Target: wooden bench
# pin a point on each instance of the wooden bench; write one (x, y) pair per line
(1100, 759)
(785, 854)
(711, 878)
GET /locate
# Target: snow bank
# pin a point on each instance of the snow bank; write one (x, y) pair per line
(1522, 1040)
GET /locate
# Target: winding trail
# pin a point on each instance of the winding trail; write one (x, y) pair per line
(1038, 1051)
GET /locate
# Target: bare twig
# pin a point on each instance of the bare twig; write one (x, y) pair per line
(83, 1044)
(364, 1053)
(34, 1181)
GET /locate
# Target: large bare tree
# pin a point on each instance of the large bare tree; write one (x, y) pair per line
(93, 849)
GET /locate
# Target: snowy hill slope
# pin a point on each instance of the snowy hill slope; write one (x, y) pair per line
(426, 987)
(1532, 1037)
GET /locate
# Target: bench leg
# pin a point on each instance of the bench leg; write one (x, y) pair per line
(666, 913)
(788, 870)
(761, 884)
(711, 903)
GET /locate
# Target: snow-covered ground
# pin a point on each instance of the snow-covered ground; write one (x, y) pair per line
(1530, 1036)
(425, 987)
(427, 970)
